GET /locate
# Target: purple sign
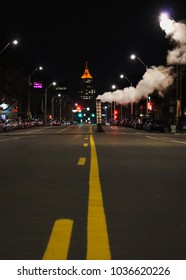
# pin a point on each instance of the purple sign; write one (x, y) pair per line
(37, 85)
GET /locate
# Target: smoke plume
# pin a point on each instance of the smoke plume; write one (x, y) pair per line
(155, 78)
(176, 31)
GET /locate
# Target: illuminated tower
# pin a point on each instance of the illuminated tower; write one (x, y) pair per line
(87, 91)
(87, 94)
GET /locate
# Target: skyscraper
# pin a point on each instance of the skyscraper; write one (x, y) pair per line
(87, 96)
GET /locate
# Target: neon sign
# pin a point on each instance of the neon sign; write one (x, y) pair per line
(37, 85)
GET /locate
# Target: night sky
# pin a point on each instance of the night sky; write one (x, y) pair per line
(62, 35)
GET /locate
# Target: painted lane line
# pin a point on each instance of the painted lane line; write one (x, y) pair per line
(165, 139)
(81, 161)
(58, 245)
(14, 138)
(98, 247)
(85, 145)
(175, 141)
(152, 137)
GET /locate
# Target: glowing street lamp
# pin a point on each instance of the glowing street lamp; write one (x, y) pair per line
(29, 84)
(166, 23)
(125, 77)
(52, 84)
(133, 57)
(58, 95)
(114, 87)
(15, 42)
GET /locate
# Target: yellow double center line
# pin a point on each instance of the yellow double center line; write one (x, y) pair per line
(97, 235)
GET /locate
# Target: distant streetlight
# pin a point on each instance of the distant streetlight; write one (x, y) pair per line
(133, 57)
(106, 121)
(125, 77)
(114, 87)
(15, 42)
(29, 84)
(53, 83)
(58, 95)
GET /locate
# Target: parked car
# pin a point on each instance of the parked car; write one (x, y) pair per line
(2, 122)
(155, 125)
(127, 122)
(10, 125)
(141, 123)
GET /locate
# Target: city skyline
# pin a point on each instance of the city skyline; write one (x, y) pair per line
(62, 37)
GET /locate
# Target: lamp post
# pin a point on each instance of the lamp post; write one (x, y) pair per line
(58, 95)
(132, 107)
(133, 57)
(106, 121)
(53, 83)
(167, 24)
(15, 42)
(113, 88)
(29, 84)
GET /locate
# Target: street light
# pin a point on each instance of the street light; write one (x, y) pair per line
(58, 95)
(114, 87)
(53, 83)
(29, 84)
(167, 23)
(133, 57)
(125, 77)
(15, 42)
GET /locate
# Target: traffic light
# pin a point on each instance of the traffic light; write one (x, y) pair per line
(149, 105)
(115, 114)
(78, 108)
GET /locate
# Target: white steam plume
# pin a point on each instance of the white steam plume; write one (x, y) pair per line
(177, 33)
(155, 78)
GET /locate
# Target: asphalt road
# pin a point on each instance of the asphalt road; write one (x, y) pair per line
(118, 194)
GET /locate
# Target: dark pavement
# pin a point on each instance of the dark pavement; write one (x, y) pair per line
(143, 182)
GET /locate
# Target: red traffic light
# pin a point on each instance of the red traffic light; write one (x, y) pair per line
(115, 114)
(149, 106)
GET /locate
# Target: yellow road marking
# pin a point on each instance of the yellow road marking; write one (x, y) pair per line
(85, 145)
(97, 236)
(81, 161)
(58, 245)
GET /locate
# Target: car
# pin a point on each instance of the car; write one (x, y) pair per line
(127, 122)
(2, 122)
(10, 125)
(141, 123)
(155, 125)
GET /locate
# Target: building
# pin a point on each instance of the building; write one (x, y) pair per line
(87, 98)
